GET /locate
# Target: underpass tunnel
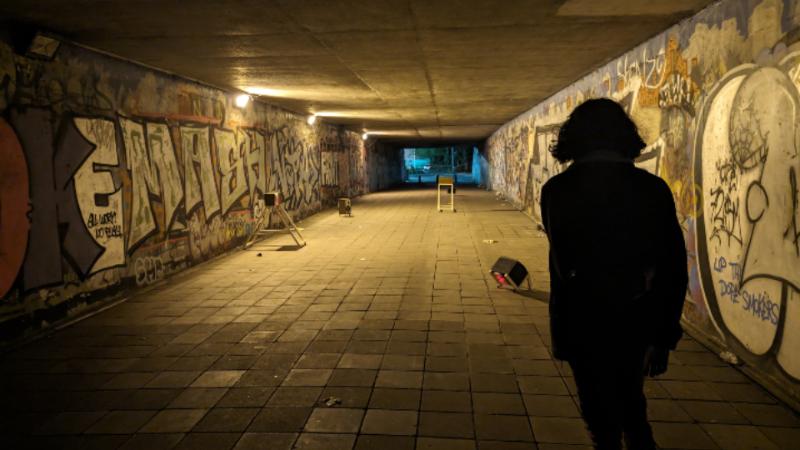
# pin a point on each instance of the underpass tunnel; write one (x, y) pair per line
(274, 224)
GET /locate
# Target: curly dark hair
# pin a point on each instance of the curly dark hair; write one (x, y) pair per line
(597, 124)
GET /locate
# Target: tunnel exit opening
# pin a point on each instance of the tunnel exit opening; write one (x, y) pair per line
(424, 165)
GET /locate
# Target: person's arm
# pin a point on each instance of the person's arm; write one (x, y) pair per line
(671, 277)
(556, 306)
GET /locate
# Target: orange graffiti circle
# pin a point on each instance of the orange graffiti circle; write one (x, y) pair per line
(13, 206)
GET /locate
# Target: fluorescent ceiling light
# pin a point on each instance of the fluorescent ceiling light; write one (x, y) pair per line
(242, 100)
(267, 92)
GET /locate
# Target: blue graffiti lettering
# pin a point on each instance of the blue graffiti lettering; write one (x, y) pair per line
(736, 270)
(761, 306)
(728, 289)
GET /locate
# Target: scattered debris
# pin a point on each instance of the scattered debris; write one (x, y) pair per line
(489, 241)
(729, 357)
(332, 401)
(259, 254)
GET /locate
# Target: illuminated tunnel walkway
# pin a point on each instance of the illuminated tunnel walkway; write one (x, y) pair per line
(385, 332)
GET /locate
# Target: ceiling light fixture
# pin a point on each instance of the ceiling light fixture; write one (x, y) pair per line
(43, 46)
(242, 100)
(311, 119)
(365, 136)
(265, 91)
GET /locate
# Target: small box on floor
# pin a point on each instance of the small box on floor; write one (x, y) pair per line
(509, 273)
(345, 206)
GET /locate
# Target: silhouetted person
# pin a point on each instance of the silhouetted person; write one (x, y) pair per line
(618, 271)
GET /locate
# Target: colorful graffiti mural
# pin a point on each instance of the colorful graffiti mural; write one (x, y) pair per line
(117, 176)
(747, 161)
(717, 99)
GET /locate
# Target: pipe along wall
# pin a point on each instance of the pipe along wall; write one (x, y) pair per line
(717, 98)
(114, 176)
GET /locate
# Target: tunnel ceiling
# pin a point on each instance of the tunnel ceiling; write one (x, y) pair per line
(403, 69)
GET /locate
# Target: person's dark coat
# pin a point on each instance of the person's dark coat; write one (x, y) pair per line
(618, 270)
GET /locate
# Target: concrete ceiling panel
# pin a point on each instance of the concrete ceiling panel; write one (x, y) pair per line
(251, 46)
(481, 13)
(430, 69)
(319, 16)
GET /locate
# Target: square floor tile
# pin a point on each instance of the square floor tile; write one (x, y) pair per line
(376, 442)
(360, 361)
(320, 441)
(174, 421)
(442, 424)
(237, 397)
(399, 379)
(121, 422)
(446, 401)
(218, 378)
(428, 443)
(502, 428)
(224, 420)
(681, 435)
(381, 421)
(334, 420)
(272, 441)
(208, 441)
(395, 399)
(551, 405)
(496, 403)
(295, 396)
(739, 437)
(198, 398)
(560, 430)
(283, 419)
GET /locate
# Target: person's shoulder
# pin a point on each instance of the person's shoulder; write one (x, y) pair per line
(652, 183)
(556, 180)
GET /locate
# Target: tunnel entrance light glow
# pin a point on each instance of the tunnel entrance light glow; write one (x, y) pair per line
(242, 100)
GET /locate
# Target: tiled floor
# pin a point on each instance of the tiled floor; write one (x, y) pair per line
(384, 333)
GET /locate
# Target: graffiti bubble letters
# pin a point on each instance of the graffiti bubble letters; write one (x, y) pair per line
(199, 183)
(254, 145)
(231, 160)
(746, 155)
(164, 170)
(99, 200)
(154, 171)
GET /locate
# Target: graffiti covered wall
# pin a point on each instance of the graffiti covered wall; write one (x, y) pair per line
(115, 176)
(344, 162)
(717, 99)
